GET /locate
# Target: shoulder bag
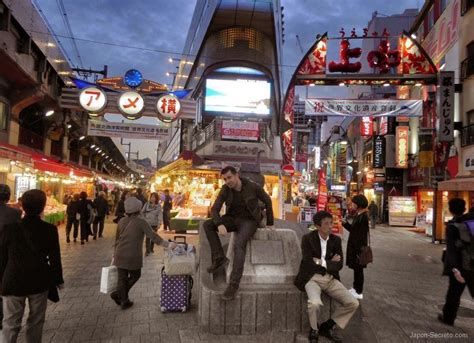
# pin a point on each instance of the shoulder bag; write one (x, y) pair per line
(366, 255)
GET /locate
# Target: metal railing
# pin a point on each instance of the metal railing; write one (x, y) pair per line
(30, 139)
(467, 68)
(467, 135)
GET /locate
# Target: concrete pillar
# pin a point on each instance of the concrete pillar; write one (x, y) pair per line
(14, 133)
(65, 148)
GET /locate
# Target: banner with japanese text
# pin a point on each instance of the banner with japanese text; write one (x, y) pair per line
(401, 146)
(126, 130)
(446, 106)
(366, 127)
(379, 152)
(322, 191)
(240, 130)
(334, 206)
(302, 141)
(363, 108)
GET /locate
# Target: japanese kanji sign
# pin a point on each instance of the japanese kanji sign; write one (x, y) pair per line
(168, 107)
(240, 130)
(446, 106)
(401, 146)
(379, 151)
(126, 130)
(366, 127)
(363, 108)
(131, 104)
(93, 99)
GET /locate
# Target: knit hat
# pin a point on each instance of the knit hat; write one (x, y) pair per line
(360, 200)
(132, 205)
(4, 191)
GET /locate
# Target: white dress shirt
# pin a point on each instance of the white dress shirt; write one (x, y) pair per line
(324, 245)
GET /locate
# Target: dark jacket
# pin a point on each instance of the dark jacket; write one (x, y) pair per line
(8, 215)
(310, 248)
(168, 203)
(72, 209)
(23, 271)
(358, 232)
(120, 211)
(84, 211)
(251, 193)
(101, 206)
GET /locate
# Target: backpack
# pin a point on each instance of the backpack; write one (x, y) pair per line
(466, 243)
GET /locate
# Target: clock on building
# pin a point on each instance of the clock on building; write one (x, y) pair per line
(133, 78)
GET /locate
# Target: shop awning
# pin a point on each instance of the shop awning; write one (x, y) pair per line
(458, 184)
(12, 153)
(187, 160)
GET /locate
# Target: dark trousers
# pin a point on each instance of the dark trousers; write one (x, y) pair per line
(359, 279)
(149, 243)
(126, 280)
(98, 222)
(72, 221)
(453, 299)
(243, 229)
(85, 230)
(166, 219)
(373, 221)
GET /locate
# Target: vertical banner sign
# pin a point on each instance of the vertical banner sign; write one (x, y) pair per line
(366, 127)
(401, 146)
(446, 106)
(379, 151)
(322, 191)
(335, 208)
(302, 141)
(383, 126)
(317, 157)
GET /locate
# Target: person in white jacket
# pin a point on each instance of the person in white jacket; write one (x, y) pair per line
(153, 214)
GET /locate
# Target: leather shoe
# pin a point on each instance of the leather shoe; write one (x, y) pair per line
(115, 297)
(442, 320)
(216, 265)
(127, 304)
(330, 334)
(313, 336)
(229, 293)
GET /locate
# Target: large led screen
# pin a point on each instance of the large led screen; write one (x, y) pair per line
(238, 96)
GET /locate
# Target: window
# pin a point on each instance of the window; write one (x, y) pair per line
(3, 116)
(470, 49)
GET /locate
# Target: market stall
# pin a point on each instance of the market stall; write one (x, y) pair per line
(401, 210)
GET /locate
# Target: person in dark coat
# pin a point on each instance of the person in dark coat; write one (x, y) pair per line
(120, 210)
(8, 215)
(167, 205)
(85, 211)
(72, 214)
(319, 272)
(358, 238)
(30, 265)
(140, 196)
(101, 206)
(459, 276)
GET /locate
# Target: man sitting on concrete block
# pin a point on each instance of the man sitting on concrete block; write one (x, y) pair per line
(243, 216)
(319, 272)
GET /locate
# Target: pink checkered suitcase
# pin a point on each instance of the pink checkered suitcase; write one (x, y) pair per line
(175, 292)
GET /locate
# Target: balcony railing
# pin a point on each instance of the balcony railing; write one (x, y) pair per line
(213, 132)
(467, 68)
(466, 5)
(30, 139)
(467, 135)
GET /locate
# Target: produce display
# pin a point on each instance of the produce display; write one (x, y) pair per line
(54, 212)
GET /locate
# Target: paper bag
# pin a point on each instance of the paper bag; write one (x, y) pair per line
(109, 279)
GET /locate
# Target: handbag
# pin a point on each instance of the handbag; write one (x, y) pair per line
(53, 293)
(366, 256)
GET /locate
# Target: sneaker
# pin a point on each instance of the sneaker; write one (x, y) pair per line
(355, 294)
(115, 297)
(221, 263)
(313, 336)
(230, 293)
(330, 334)
(126, 305)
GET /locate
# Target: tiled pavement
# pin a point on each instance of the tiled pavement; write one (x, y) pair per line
(403, 290)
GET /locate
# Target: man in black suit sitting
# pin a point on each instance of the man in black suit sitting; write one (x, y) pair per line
(319, 272)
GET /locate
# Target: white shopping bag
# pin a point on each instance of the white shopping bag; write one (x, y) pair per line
(181, 260)
(109, 279)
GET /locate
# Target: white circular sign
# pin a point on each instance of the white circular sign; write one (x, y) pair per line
(168, 107)
(131, 104)
(93, 99)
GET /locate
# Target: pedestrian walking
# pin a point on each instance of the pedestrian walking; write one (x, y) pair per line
(30, 269)
(153, 214)
(72, 212)
(458, 259)
(101, 207)
(86, 216)
(8, 215)
(140, 196)
(319, 272)
(167, 205)
(120, 210)
(243, 216)
(373, 213)
(358, 238)
(128, 250)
